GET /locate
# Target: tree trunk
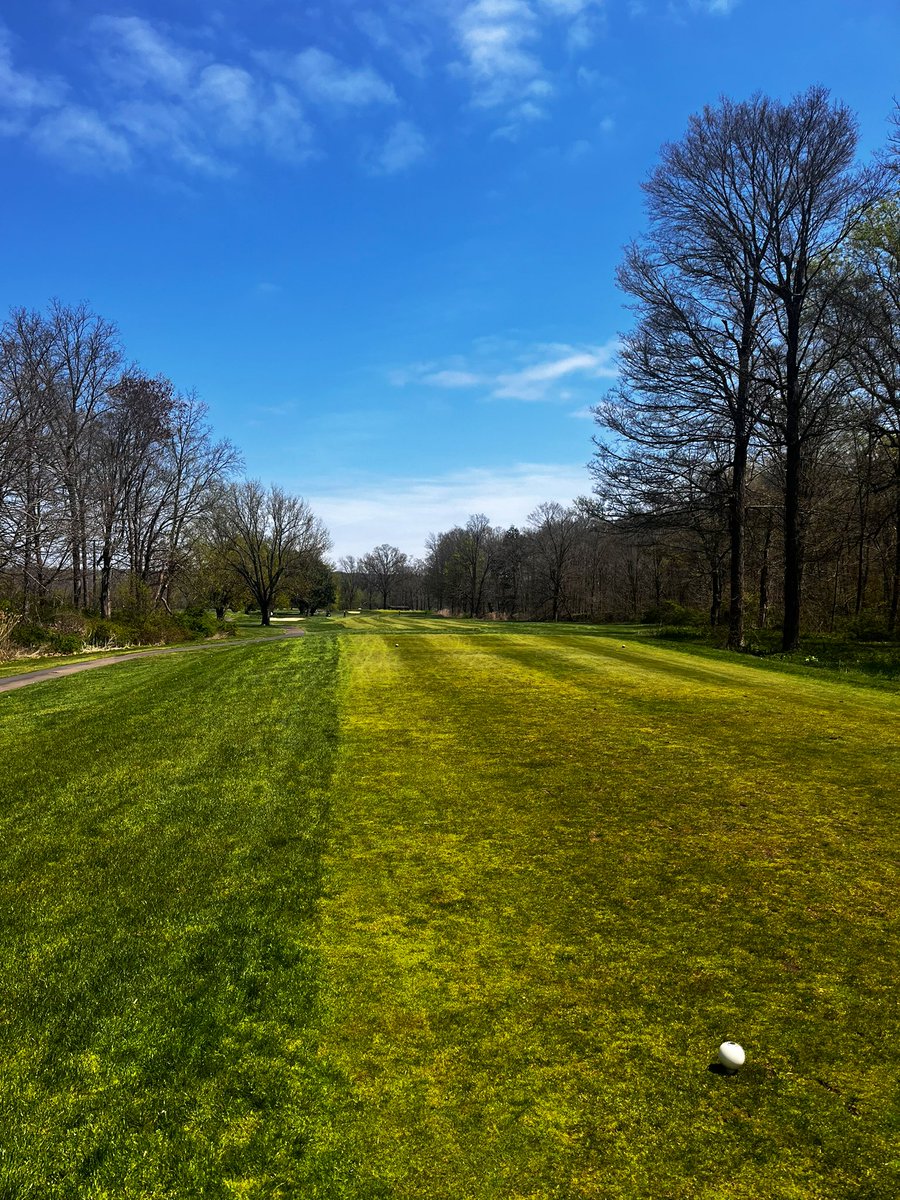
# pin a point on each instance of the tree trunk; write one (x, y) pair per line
(895, 584)
(736, 526)
(715, 608)
(793, 530)
(763, 614)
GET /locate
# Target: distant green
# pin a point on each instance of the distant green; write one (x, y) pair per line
(411, 909)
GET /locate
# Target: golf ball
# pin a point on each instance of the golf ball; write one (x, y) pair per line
(731, 1055)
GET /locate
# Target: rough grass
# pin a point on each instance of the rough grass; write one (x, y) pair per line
(436, 910)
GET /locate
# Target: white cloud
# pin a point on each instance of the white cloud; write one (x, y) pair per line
(495, 37)
(82, 139)
(405, 511)
(23, 93)
(543, 371)
(135, 53)
(454, 379)
(405, 145)
(326, 80)
(536, 382)
(718, 8)
(399, 35)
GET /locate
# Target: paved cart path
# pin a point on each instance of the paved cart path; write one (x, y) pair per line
(13, 682)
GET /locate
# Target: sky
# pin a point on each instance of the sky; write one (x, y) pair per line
(379, 237)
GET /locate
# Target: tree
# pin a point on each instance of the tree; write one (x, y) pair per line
(812, 199)
(687, 371)
(554, 532)
(870, 300)
(130, 432)
(384, 565)
(267, 537)
(85, 357)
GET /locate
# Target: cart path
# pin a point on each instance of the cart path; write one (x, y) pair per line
(12, 682)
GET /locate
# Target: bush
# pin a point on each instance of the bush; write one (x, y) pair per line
(65, 643)
(869, 627)
(29, 635)
(197, 621)
(670, 613)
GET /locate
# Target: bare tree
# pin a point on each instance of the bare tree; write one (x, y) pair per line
(86, 357)
(384, 565)
(130, 431)
(266, 536)
(813, 197)
(688, 368)
(554, 536)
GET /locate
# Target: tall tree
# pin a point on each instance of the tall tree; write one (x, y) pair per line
(267, 537)
(688, 368)
(813, 197)
(130, 432)
(86, 355)
(384, 565)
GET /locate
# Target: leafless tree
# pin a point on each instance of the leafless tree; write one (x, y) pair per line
(384, 565)
(86, 359)
(266, 536)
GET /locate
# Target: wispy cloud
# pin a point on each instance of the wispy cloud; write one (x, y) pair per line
(323, 79)
(717, 8)
(23, 94)
(154, 100)
(404, 146)
(136, 54)
(537, 382)
(550, 372)
(150, 93)
(81, 139)
(412, 508)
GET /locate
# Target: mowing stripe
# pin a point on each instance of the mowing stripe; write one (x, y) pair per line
(547, 904)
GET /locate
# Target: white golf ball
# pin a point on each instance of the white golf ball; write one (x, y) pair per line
(731, 1056)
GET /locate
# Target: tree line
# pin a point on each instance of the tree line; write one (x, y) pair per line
(747, 462)
(115, 491)
(757, 412)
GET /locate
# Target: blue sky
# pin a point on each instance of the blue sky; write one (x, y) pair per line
(380, 238)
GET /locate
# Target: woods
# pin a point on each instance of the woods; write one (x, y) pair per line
(765, 297)
(116, 494)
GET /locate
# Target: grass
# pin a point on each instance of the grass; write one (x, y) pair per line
(162, 826)
(425, 909)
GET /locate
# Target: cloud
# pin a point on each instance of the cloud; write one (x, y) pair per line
(407, 43)
(22, 93)
(326, 80)
(82, 139)
(543, 370)
(536, 382)
(407, 510)
(716, 8)
(495, 37)
(454, 379)
(405, 145)
(135, 54)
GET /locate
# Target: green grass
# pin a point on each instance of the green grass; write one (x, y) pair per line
(162, 826)
(426, 909)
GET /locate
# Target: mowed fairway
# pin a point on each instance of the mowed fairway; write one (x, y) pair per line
(423, 909)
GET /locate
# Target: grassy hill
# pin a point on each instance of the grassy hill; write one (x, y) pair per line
(414, 908)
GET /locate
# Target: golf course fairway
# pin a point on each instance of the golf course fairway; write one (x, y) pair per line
(410, 908)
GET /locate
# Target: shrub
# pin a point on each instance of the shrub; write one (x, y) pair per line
(65, 643)
(670, 613)
(29, 635)
(197, 621)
